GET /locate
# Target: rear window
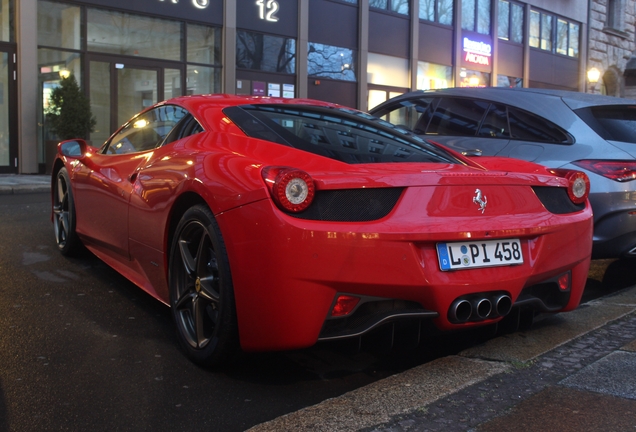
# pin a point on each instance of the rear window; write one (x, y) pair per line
(342, 134)
(615, 123)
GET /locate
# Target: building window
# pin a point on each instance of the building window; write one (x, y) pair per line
(535, 26)
(433, 76)
(6, 21)
(562, 37)
(472, 78)
(566, 34)
(59, 25)
(267, 53)
(541, 30)
(399, 6)
(510, 24)
(546, 32)
(440, 11)
(387, 70)
(203, 80)
(476, 16)
(616, 15)
(326, 61)
(134, 35)
(573, 40)
(203, 44)
(509, 81)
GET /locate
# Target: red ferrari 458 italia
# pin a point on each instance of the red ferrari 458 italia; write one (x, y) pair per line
(271, 224)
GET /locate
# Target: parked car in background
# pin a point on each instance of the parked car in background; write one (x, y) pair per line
(559, 129)
(272, 224)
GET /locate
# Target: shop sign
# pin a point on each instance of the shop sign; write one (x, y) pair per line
(199, 4)
(477, 52)
(267, 10)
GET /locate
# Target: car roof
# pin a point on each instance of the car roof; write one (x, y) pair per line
(516, 96)
(225, 100)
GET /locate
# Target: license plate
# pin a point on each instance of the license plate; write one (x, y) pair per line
(486, 253)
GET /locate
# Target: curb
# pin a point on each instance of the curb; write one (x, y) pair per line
(418, 388)
(17, 184)
(24, 189)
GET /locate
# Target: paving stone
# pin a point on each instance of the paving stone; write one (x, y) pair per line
(513, 392)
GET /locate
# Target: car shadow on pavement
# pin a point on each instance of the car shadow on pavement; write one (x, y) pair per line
(4, 412)
(608, 276)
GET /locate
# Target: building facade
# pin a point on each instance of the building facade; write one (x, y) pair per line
(611, 46)
(129, 54)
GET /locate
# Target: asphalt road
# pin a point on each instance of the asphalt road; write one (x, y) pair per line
(81, 348)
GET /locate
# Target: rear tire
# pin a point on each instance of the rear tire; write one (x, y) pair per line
(68, 242)
(201, 292)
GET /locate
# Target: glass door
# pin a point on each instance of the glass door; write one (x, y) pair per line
(137, 89)
(120, 89)
(8, 108)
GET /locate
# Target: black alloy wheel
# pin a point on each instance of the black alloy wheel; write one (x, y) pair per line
(66, 237)
(201, 293)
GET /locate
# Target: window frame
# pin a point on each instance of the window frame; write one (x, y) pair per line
(348, 63)
(436, 13)
(547, 37)
(290, 61)
(168, 137)
(392, 6)
(510, 35)
(475, 25)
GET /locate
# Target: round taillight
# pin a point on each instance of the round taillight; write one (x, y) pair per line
(292, 189)
(579, 186)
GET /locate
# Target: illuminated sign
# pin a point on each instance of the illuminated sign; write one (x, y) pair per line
(267, 10)
(477, 52)
(199, 4)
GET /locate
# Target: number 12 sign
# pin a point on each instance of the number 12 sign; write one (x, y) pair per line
(267, 10)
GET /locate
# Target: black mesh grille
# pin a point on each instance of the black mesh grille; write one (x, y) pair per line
(556, 200)
(351, 205)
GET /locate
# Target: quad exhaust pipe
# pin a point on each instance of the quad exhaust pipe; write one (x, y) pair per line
(479, 308)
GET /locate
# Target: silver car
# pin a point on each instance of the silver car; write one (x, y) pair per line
(560, 129)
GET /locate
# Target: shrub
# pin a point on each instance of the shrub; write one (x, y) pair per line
(69, 115)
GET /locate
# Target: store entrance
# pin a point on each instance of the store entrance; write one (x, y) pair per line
(8, 110)
(118, 89)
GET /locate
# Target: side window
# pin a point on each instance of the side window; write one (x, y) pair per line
(495, 125)
(529, 127)
(412, 114)
(186, 127)
(456, 116)
(146, 131)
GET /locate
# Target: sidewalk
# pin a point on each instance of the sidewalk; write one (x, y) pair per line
(574, 371)
(24, 183)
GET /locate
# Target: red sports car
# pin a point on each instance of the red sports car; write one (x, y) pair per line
(271, 224)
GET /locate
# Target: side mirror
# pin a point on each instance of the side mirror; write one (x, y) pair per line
(472, 152)
(73, 148)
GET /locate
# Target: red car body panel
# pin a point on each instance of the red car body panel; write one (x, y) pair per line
(287, 271)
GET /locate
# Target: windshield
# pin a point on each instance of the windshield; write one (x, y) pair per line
(614, 123)
(342, 134)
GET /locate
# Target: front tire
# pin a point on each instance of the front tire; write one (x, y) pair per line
(68, 243)
(201, 292)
